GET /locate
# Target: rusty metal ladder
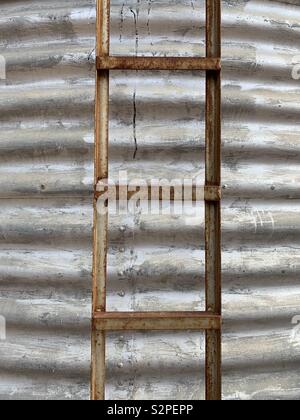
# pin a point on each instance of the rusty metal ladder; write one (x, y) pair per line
(210, 320)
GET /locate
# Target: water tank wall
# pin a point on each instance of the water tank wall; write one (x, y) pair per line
(46, 187)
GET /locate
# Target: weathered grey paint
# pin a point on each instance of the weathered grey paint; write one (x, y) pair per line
(46, 178)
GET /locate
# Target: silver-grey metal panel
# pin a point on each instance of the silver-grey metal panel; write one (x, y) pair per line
(46, 178)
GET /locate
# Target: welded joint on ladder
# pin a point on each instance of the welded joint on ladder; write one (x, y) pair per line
(212, 193)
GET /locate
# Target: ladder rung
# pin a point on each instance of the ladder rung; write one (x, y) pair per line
(158, 63)
(156, 321)
(147, 193)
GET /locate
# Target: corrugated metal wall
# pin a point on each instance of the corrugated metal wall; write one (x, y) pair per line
(46, 178)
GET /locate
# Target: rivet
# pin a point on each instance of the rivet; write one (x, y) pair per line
(120, 365)
(122, 229)
(273, 188)
(121, 294)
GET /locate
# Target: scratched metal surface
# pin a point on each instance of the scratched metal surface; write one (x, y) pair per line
(46, 177)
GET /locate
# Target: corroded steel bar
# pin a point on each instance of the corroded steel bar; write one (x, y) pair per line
(213, 209)
(182, 193)
(156, 321)
(101, 222)
(158, 63)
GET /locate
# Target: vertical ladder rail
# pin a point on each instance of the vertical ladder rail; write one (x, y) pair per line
(213, 208)
(100, 206)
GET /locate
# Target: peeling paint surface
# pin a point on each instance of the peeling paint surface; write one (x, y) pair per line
(155, 263)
